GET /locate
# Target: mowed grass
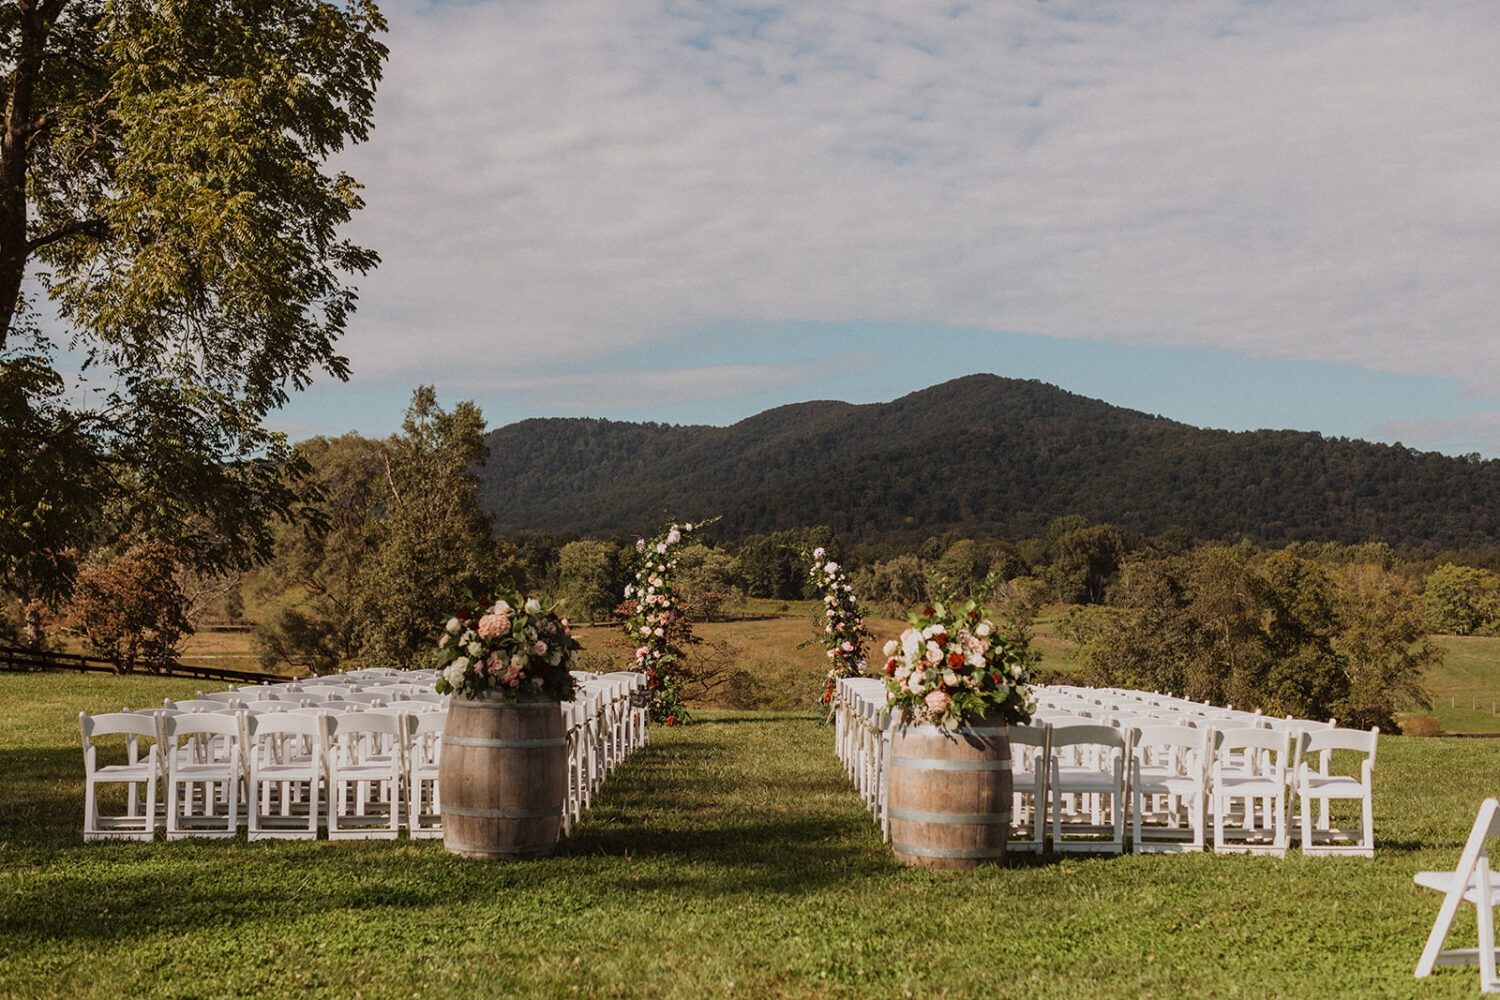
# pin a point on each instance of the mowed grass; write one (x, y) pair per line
(729, 858)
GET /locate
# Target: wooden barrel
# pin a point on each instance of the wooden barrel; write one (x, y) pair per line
(949, 795)
(502, 777)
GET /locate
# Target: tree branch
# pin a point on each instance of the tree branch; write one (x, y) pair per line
(96, 228)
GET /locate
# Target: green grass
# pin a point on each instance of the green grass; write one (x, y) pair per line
(729, 858)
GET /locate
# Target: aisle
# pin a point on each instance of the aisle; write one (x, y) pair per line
(738, 788)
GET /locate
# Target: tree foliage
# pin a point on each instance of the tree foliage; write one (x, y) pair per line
(1284, 633)
(163, 180)
(130, 607)
(400, 541)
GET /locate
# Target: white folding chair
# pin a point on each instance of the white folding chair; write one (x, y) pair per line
(424, 746)
(138, 773)
(205, 769)
(1168, 788)
(288, 764)
(1087, 788)
(1250, 771)
(1320, 836)
(365, 769)
(1029, 754)
(1473, 882)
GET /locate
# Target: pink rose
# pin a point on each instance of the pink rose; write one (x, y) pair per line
(540, 649)
(493, 626)
(937, 701)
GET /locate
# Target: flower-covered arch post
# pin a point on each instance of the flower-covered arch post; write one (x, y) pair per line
(655, 624)
(842, 630)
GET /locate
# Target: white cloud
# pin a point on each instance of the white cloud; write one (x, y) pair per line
(576, 178)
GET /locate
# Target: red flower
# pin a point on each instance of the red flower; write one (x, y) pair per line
(995, 678)
(929, 612)
(955, 659)
(655, 682)
(890, 666)
(671, 720)
(464, 614)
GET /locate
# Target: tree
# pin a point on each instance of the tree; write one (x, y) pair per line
(1461, 600)
(399, 542)
(592, 575)
(130, 607)
(1382, 639)
(323, 560)
(162, 177)
(434, 546)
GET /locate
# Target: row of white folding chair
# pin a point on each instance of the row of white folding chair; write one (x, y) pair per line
(606, 723)
(205, 759)
(1240, 775)
(863, 740)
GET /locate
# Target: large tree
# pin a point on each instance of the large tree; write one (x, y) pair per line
(164, 182)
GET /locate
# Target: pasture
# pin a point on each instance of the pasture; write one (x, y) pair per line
(730, 858)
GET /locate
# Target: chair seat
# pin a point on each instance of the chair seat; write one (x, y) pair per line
(1167, 784)
(1331, 786)
(1443, 882)
(1255, 785)
(1073, 778)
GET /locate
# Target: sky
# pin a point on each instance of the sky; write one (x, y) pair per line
(1240, 215)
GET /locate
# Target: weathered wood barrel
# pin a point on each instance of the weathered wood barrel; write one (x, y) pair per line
(503, 777)
(949, 795)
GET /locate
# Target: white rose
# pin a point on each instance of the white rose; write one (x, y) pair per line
(918, 682)
(462, 663)
(831, 568)
(475, 649)
(983, 629)
(454, 625)
(911, 643)
(454, 674)
(818, 552)
(501, 608)
(892, 647)
(533, 606)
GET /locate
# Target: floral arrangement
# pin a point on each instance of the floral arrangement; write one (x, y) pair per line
(655, 618)
(843, 631)
(513, 647)
(949, 669)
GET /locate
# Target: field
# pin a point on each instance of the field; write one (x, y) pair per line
(771, 643)
(729, 858)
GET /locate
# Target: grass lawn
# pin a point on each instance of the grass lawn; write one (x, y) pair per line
(729, 858)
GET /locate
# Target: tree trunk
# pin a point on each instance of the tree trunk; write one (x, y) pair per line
(20, 126)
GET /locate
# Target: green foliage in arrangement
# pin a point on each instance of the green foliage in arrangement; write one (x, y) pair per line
(731, 857)
(163, 175)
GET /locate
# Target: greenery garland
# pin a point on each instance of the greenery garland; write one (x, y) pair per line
(656, 619)
(842, 631)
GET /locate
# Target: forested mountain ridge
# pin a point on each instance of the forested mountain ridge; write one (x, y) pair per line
(982, 455)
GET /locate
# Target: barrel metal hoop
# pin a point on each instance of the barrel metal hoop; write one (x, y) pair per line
(940, 764)
(964, 819)
(480, 741)
(452, 810)
(949, 852)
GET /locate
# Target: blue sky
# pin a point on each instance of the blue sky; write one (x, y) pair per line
(1237, 215)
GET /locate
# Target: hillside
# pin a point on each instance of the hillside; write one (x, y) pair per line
(982, 455)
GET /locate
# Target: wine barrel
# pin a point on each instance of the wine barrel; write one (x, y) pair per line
(949, 798)
(502, 777)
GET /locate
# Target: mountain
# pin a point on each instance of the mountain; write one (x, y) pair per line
(982, 455)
